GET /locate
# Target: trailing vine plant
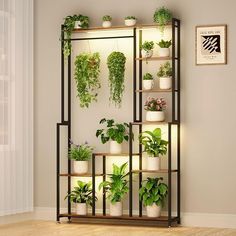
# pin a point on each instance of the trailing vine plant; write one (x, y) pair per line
(116, 65)
(87, 77)
(162, 16)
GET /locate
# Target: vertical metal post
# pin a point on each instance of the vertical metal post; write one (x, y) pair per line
(104, 179)
(62, 74)
(130, 171)
(169, 176)
(93, 185)
(134, 75)
(173, 70)
(58, 171)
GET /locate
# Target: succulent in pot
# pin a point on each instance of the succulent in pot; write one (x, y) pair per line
(147, 81)
(164, 50)
(162, 16)
(155, 109)
(116, 188)
(147, 49)
(106, 21)
(153, 194)
(165, 76)
(80, 154)
(130, 20)
(154, 146)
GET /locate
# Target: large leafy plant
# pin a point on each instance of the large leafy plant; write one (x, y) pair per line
(162, 16)
(87, 77)
(116, 65)
(165, 70)
(153, 191)
(81, 152)
(117, 187)
(154, 145)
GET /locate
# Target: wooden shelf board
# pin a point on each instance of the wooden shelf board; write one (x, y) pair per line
(80, 175)
(154, 90)
(153, 58)
(153, 171)
(113, 155)
(149, 123)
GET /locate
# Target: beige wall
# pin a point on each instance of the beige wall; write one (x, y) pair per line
(208, 114)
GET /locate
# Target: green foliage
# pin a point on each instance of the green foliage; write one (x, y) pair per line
(153, 144)
(106, 18)
(115, 131)
(116, 65)
(147, 45)
(86, 76)
(147, 76)
(162, 16)
(82, 193)
(117, 187)
(164, 44)
(130, 18)
(81, 152)
(165, 70)
(153, 192)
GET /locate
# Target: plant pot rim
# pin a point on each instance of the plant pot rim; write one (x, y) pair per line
(81, 161)
(155, 111)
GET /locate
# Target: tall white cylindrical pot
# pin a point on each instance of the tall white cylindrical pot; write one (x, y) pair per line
(165, 82)
(153, 163)
(115, 148)
(153, 210)
(147, 84)
(77, 24)
(80, 167)
(116, 209)
(147, 54)
(155, 116)
(81, 209)
(130, 22)
(164, 52)
(106, 24)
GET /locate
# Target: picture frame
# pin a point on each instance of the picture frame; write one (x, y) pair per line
(211, 44)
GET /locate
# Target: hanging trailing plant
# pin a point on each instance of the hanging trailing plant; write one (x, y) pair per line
(116, 65)
(162, 16)
(87, 77)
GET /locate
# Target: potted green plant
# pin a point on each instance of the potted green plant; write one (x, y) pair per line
(153, 194)
(130, 20)
(164, 50)
(86, 75)
(154, 146)
(116, 188)
(116, 66)
(165, 76)
(155, 109)
(162, 16)
(82, 22)
(147, 81)
(82, 197)
(80, 154)
(116, 133)
(106, 21)
(147, 49)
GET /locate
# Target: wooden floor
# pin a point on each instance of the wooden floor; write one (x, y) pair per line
(49, 228)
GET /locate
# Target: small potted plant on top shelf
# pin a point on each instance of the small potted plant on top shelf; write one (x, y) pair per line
(80, 154)
(155, 109)
(116, 188)
(162, 16)
(147, 49)
(153, 194)
(82, 22)
(154, 146)
(116, 133)
(106, 21)
(164, 50)
(165, 75)
(130, 20)
(147, 81)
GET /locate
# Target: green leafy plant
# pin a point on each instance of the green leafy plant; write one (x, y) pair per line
(81, 152)
(115, 131)
(130, 18)
(162, 16)
(116, 65)
(153, 191)
(147, 45)
(87, 77)
(82, 193)
(164, 44)
(155, 104)
(147, 76)
(154, 145)
(107, 18)
(165, 70)
(117, 187)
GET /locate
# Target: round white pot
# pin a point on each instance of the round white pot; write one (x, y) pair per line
(106, 24)
(115, 148)
(116, 209)
(147, 53)
(164, 52)
(155, 116)
(77, 24)
(153, 211)
(81, 209)
(80, 167)
(147, 84)
(165, 82)
(153, 163)
(130, 22)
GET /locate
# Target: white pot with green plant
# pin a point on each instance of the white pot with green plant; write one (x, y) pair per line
(116, 188)
(164, 48)
(130, 20)
(148, 81)
(81, 195)
(153, 194)
(80, 154)
(147, 49)
(106, 21)
(154, 146)
(116, 133)
(165, 76)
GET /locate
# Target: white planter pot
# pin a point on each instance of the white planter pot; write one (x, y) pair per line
(130, 22)
(116, 209)
(81, 209)
(153, 211)
(155, 116)
(153, 163)
(164, 52)
(77, 24)
(165, 82)
(115, 148)
(106, 24)
(80, 167)
(147, 84)
(147, 53)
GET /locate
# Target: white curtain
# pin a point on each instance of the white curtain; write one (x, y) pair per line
(16, 106)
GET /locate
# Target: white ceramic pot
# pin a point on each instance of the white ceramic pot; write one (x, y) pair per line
(78, 24)
(155, 116)
(130, 22)
(147, 53)
(106, 24)
(115, 148)
(147, 84)
(80, 167)
(164, 52)
(116, 209)
(153, 163)
(165, 82)
(81, 209)
(153, 211)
